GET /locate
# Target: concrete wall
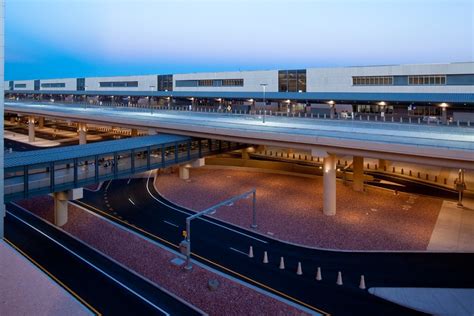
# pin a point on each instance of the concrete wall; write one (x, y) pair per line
(340, 79)
(30, 84)
(144, 83)
(70, 84)
(252, 80)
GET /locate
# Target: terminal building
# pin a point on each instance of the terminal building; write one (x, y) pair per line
(424, 89)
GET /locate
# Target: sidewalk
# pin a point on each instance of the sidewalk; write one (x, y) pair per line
(26, 290)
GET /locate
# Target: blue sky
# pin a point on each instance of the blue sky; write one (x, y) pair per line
(75, 38)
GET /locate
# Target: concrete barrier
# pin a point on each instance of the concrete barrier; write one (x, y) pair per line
(362, 283)
(339, 278)
(265, 257)
(319, 276)
(251, 252)
(282, 263)
(299, 270)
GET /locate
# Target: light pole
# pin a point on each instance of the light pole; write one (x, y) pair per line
(85, 97)
(264, 86)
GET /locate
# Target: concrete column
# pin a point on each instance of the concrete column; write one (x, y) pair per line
(245, 154)
(358, 174)
(383, 163)
(444, 115)
(184, 172)
(134, 132)
(60, 208)
(41, 122)
(329, 179)
(82, 130)
(31, 129)
(332, 111)
(61, 200)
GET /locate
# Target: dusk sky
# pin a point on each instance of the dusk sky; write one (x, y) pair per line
(81, 38)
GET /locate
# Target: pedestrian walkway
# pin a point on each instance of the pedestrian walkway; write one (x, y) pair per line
(434, 301)
(25, 290)
(454, 229)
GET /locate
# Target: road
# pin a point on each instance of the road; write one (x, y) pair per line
(224, 247)
(102, 285)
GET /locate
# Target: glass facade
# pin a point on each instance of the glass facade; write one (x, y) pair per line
(80, 84)
(165, 83)
(292, 80)
(118, 84)
(427, 80)
(37, 85)
(372, 81)
(53, 85)
(10, 85)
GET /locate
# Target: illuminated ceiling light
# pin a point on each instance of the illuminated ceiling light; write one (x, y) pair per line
(331, 102)
(382, 103)
(250, 100)
(288, 101)
(300, 91)
(443, 105)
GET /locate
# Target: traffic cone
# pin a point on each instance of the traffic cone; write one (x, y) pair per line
(318, 275)
(251, 252)
(282, 263)
(339, 278)
(362, 283)
(265, 257)
(299, 271)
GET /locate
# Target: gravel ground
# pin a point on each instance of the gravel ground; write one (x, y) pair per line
(231, 298)
(290, 208)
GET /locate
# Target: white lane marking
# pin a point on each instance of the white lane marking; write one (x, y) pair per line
(237, 250)
(108, 184)
(91, 264)
(169, 223)
(129, 179)
(130, 200)
(203, 219)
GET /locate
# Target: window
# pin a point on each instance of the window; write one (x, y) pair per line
(20, 85)
(118, 84)
(53, 85)
(80, 84)
(372, 81)
(427, 80)
(210, 83)
(292, 80)
(165, 83)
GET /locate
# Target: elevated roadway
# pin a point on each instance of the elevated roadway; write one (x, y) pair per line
(447, 146)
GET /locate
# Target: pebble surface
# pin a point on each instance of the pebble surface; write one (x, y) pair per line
(290, 207)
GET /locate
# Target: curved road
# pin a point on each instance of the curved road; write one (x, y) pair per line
(224, 247)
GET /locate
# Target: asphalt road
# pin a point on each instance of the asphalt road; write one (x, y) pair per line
(224, 247)
(105, 286)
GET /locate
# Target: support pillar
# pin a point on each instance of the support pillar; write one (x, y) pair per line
(444, 115)
(329, 179)
(358, 173)
(31, 129)
(184, 172)
(60, 208)
(245, 154)
(383, 164)
(41, 122)
(134, 132)
(61, 200)
(82, 130)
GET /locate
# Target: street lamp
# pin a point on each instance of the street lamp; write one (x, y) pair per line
(264, 86)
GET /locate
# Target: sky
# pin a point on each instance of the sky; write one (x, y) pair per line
(83, 38)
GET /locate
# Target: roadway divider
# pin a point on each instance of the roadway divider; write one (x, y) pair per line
(319, 276)
(299, 270)
(251, 252)
(265, 257)
(282, 263)
(362, 282)
(339, 278)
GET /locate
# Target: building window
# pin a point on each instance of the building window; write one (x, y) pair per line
(372, 81)
(165, 83)
(53, 85)
(118, 84)
(292, 80)
(210, 83)
(80, 84)
(427, 80)
(20, 85)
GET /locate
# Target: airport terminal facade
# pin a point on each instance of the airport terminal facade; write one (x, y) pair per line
(419, 89)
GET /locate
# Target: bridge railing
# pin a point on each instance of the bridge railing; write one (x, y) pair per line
(30, 180)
